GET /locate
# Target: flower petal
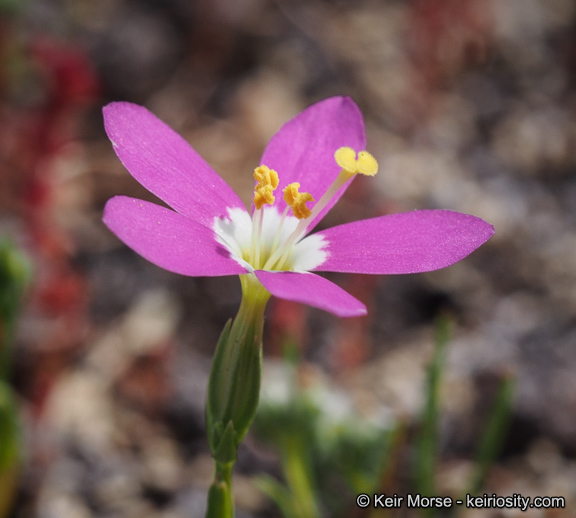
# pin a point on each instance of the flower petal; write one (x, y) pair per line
(168, 239)
(313, 290)
(164, 163)
(303, 149)
(409, 242)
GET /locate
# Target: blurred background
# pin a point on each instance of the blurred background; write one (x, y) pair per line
(470, 105)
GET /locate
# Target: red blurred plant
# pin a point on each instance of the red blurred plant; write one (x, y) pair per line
(44, 87)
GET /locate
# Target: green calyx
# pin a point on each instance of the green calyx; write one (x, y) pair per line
(234, 384)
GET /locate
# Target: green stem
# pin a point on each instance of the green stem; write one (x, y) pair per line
(220, 500)
(234, 391)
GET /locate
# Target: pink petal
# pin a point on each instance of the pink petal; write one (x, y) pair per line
(164, 163)
(410, 242)
(168, 239)
(313, 290)
(303, 149)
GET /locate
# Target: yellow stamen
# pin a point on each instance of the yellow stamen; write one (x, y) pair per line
(263, 194)
(297, 200)
(267, 182)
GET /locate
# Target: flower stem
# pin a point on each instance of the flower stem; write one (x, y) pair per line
(234, 390)
(220, 501)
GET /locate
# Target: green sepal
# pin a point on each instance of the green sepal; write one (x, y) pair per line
(215, 402)
(227, 446)
(245, 388)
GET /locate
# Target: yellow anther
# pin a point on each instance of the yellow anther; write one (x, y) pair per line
(266, 176)
(263, 195)
(297, 200)
(291, 193)
(367, 164)
(267, 181)
(346, 158)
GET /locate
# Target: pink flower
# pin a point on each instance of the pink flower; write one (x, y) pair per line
(209, 232)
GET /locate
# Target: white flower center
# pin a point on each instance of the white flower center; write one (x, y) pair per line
(235, 233)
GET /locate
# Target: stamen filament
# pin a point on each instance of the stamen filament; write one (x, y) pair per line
(259, 241)
(279, 231)
(341, 179)
(255, 234)
(267, 181)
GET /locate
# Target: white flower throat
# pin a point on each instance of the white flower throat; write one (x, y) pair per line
(272, 241)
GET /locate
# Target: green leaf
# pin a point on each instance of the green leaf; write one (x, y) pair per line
(494, 433)
(9, 436)
(427, 443)
(14, 274)
(279, 494)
